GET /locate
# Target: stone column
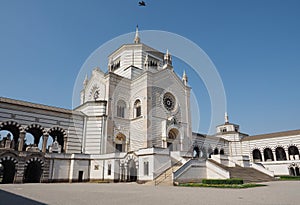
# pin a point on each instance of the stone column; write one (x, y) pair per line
(21, 140)
(287, 154)
(65, 144)
(45, 139)
(274, 155)
(262, 156)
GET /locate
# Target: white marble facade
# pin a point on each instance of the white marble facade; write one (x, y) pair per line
(133, 123)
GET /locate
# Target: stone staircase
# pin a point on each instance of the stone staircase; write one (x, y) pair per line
(248, 174)
(165, 179)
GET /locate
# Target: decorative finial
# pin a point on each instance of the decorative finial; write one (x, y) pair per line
(184, 78)
(168, 60)
(226, 118)
(137, 39)
(86, 80)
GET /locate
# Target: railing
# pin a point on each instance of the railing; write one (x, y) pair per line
(162, 169)
(165, 174)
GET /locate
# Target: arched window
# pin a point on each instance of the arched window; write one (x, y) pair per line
(216, 151)
(293, 153)
(121, 105)
(222, 152)
(280, 154)
(268, 154)
(137, 108)
(256, 155)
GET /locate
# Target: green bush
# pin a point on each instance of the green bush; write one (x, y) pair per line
(290, 177)
(222, 181)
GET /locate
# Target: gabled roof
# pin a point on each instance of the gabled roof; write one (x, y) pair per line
(272, 135)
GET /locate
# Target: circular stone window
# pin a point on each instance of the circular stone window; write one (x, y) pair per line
(169, 101)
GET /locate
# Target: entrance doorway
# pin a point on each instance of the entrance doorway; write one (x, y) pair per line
(132, 171)
(80, 176)
(7, 172)
(33, 172)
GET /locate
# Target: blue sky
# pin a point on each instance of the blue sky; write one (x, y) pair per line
(253, 44)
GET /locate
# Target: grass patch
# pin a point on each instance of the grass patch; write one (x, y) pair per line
(222, 181)
(226, 186)
(292, 178)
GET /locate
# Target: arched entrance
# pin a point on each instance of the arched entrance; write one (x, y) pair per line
(132, 171)
(7, 171)
(173, 135)
(33, 171)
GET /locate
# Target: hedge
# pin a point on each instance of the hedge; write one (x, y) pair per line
(290, 178)
(222, 181)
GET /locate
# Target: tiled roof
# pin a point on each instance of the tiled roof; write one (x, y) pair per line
(37, 106)
(272, 135)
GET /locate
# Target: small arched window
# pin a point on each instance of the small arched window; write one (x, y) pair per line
(121, 105)
(137, 108)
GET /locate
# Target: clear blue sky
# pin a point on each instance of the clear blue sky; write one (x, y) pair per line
(255, 46)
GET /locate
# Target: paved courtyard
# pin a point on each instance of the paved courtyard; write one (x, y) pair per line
(88, 193)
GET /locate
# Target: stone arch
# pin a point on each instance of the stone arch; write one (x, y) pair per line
(173, 138)
(216, 151)
(280, 153)
(8, 168)
(37, 131)
(256, 154)
(34, 168)
(293, 152)
(268, 154)
(14, 128)
(131, 164)
(59, 134)
(222, 152)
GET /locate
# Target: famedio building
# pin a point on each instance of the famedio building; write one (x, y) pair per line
(133, 124)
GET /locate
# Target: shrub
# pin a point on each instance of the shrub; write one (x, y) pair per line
(222, 181)
(290, 177)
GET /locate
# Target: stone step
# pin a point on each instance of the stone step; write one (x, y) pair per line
(248, 174)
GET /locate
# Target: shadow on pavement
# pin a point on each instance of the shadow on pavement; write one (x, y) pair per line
(7, 198)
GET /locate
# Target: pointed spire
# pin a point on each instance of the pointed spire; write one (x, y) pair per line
(226, 118)
(86, 80)
(184, 78)
(168, 60)
(137, 39)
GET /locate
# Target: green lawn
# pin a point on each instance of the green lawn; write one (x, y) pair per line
(227, 186)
